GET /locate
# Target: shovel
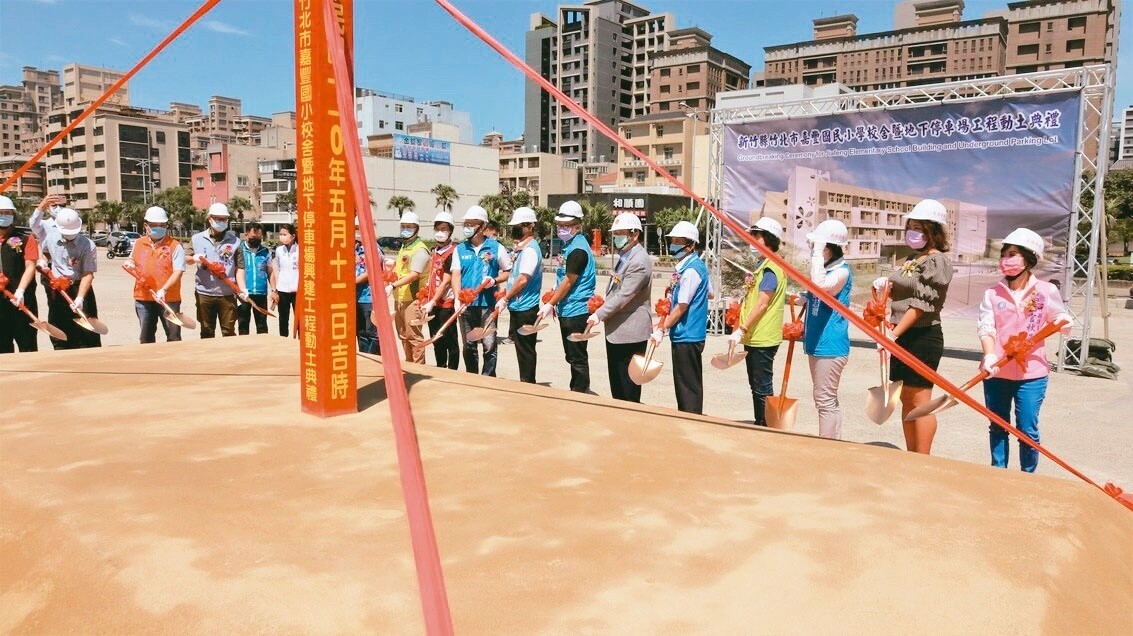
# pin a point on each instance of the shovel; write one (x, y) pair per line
(730, 359)
(782, 410)
(643, 369)
(479, 333)
(442, 330)
(42, 325)
(527, 330)
(175, 317)
(583, 336)
(881, 400)
(90, 324)
(945, 402)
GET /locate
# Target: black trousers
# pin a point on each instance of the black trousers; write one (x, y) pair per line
(286, 303)
(59, 313)
(447, 347)
(760, 376)
(575, 353)
(245, 313)
(15, 326)
(688, 376)
(618, 357)
(524, 345)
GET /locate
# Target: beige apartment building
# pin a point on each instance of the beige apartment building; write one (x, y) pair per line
(676, 141)
(83, 84)
(687, 75)
(24, 107)
(875, 218)
(933, 43)
(540, 174)
(30, 184)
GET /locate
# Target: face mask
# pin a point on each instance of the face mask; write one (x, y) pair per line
(357, 237)
(406, 234)
(675, 250)
(469, 232)
(915, 239)
(517, 232)
(286, 239)
(565, 233)
(441, 237)
(620, 242)
(157, 233)
(1011, 266)
(254, 242)
(7, 220)
(218, 226)
(70, 238)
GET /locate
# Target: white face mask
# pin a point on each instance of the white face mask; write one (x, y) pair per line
(441, 236)
(218, 226)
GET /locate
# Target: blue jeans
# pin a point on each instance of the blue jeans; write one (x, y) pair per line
(149, 314)
(760, 363)
(478, 317)
(1028, 397)
(367, 332)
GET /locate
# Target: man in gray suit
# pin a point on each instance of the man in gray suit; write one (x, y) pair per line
(626, 310)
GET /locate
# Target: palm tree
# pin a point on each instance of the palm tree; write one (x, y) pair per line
(108, 212)
(669, 217)
(596, 216)
(446, 196)
(401, 203)
(237, 206)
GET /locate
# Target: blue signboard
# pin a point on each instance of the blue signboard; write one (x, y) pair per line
(421, 149)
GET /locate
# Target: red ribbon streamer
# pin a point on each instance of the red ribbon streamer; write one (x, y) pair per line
(595, 303)
(887, 343)
(426, 556)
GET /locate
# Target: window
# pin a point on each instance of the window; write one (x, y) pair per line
(1076, 46)
(665, 72)
(692, 86)
(399, 125)
(660, 131)
(100, 164)
(99, 148)
(160, 136)
(381, 123)
(398, 108)
(693, 68)
(1048, 48)
(1049, 27)
(665, 88)
(1027, 27)
(1030, 49)
(1076, 23)
(200, 183)
(668, 152)
(242, 181)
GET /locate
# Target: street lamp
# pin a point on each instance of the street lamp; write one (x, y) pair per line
(144, 164)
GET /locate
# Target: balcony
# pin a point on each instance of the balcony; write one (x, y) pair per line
(633, 163)
(671, 161)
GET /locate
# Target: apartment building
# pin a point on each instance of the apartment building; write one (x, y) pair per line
(83, 84)
(23, 107)
(540, 174)
(875, 218)
(1125, 136)
(379, 113)
(687, 75)
(933, 43)
(676, 141)
(233, 170)
(30, 184)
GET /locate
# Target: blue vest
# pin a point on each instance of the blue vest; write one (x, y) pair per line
(256, 269)
(827, 333)
(574, 303)
(529, 297)
(362, 292)
(693, 325)
(474, 267)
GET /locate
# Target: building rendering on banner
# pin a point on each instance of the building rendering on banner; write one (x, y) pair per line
(380, 113)
(875, 218)
(932, 42)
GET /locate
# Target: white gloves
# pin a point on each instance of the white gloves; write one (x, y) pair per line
(880, 283)
(41, 263)
(592, 321)
(457, 305)
(78, 304)
(657, 336)
(129, 264)
(488, 282)
(816, 249)
(1069, 323)
(988, 364)
(501, 305)
(736, 337)
(243, 296)
(18, 298)
(546, 311)
(427, 308)
(159, 295)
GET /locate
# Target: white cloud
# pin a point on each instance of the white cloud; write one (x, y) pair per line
(149, 23)
(118, 41)
(224, 27)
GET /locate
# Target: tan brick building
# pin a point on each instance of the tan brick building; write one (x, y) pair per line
(676, 141)
(690, 71)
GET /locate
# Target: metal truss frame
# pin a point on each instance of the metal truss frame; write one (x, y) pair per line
(1095, 83)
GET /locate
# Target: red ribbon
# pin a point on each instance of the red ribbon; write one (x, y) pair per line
(663, 307)
(595, 303)
(876, 309)
(3, 280)
(732, 315)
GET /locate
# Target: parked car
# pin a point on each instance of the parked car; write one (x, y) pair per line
(118, 235)
(100, 238)
(389, 243)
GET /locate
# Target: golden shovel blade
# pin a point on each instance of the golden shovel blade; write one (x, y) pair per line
(781, 412)
(527, 330)
(642, 371)
(418, 322)
(476, 334)
(93, 325)
(186, 321)
(728, 360)
(934, 406)
(52, 330)
(880, 403)
(583, 336)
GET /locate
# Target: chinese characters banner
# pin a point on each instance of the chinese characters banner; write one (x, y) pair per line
(326, 221)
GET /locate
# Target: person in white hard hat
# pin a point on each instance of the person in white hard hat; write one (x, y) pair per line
(19, 251)
(760, 328)
(42, 221)
(254, 272)
(160, 260)
(1018, 303)
(285, 277)
(523, 288)
(917, 293)
(73, 257)
(575, 281)
(216, 301)
(625, 311)
(826, 333)
(412, 263)
(438, 290)
(687, 321)
(480, 261)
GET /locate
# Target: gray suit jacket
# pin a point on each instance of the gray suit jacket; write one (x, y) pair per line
(626, 310)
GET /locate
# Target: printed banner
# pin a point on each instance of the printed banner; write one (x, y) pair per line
(423, 149)
(995, 164)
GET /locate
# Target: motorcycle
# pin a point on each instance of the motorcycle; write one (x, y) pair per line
(122, 248)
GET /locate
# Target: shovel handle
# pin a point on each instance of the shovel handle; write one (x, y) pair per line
(786, 374)
(444, 327)
(9, 295)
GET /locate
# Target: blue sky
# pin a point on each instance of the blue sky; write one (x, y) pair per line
(411, 47)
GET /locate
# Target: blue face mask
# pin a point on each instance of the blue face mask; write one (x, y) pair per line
(620, 242)
(407, 233)
(157, 233)
(675, 250)
(7, 220)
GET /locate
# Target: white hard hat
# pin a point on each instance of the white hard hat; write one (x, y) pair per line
(410, 218)
(684, 229)
(6, 203)
(1026, 239)
(219, 209)
(475, 213)
(444, 217)
(522, 215)
(569, 211)
(830, 231)
(68, 221)
(928, 210)
(626, 221)
(156, 215)
(769, 225)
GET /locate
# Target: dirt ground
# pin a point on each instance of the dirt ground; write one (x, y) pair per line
(1082, 418)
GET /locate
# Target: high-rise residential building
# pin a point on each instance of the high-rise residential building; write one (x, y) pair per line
(1125, 143)
(82, 84)
(13, 110)
(599, 53)
(380, 113)
(933, 43)
(687, 75)
(23, 109)
(30, 184)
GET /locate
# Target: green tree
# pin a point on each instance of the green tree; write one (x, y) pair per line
(544, 222)
(107, 212)
(25, 206)
(446, 196)
(401, 203)
(596, 216)
(240, 207)
(133, 214)
(669, 217)
(178, 203)
(1119, 193)
(498, 206)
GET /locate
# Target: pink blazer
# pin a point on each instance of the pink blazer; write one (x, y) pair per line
(1001, 317)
